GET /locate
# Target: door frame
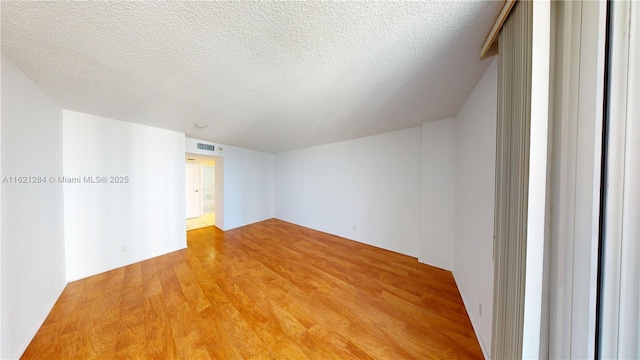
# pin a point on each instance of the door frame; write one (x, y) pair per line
(219, 182)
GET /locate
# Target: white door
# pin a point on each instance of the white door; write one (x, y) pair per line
(193, 196)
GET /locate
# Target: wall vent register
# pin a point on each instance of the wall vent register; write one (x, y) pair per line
(206, 147)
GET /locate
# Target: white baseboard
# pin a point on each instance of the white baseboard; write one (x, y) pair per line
(471, 318)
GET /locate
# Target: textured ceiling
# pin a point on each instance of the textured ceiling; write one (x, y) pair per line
(269, 76)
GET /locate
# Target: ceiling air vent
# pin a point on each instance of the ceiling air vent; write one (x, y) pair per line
(206, 147)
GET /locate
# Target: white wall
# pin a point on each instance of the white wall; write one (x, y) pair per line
(474, 202)
(247, 183)
(112, 225)
(365, 189)
(248, 187)
(437, 230)
(219, 206)
(33, 272)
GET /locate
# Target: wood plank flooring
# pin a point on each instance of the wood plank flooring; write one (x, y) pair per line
(271, 290)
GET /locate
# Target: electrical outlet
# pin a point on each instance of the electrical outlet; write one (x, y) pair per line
(480, 308)
(123, 249)
(354, 228)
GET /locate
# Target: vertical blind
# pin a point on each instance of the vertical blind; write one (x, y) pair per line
(620, 289)
(512, 180)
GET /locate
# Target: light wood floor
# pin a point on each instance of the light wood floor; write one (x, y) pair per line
(270, 290)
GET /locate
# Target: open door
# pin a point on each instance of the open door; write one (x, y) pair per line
(192, 188)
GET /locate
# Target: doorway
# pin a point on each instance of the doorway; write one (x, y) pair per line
(202, 190)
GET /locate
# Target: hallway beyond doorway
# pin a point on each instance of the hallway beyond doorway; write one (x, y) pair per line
(202, 221)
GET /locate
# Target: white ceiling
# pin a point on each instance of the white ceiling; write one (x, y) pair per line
(269, 76)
